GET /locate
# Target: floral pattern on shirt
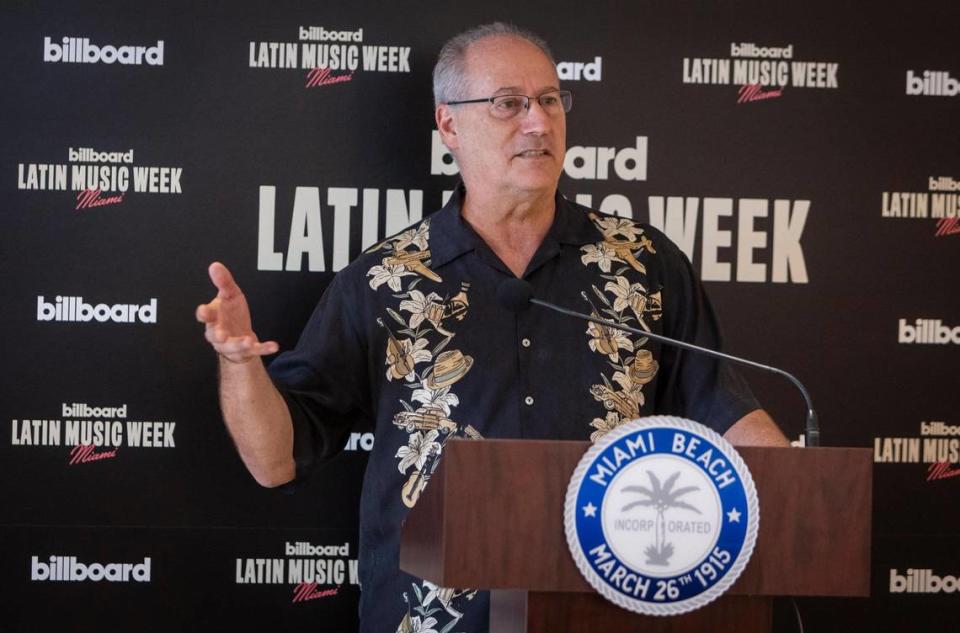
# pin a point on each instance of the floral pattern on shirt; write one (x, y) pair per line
(417, 353)
(624, 299)
(431, 601)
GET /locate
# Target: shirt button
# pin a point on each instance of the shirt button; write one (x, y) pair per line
(528, 401)
(525, 342)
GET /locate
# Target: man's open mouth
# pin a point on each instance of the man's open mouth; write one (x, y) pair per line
(534, 153)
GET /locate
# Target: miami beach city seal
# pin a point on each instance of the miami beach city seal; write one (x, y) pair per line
(661, 515)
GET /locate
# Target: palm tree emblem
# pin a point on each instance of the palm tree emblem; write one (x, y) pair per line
(662, 497)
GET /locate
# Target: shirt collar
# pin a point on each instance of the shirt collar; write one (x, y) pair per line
(451, 236)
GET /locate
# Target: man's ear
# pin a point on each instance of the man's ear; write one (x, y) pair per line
(447, 126)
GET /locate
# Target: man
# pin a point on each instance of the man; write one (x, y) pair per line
(410, 336)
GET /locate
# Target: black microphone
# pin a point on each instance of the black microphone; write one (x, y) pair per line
(516, 295)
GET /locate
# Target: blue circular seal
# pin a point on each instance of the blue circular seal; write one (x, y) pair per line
(661, 515)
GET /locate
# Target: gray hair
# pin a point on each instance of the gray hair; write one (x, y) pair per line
(449, 75)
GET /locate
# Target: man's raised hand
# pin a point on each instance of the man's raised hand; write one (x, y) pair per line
(227, 319)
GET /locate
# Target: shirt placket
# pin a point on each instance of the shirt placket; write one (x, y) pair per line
(526, 394)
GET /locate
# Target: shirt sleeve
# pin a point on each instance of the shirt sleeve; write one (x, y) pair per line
(699, 387)
(324, 380)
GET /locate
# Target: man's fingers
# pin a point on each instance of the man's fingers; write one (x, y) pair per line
(266, 348)
(240, 348)
(237, 345)
(214, 335)
(224, 321)
(223, 280)
(222, 335)
(207, 312)
(237, 349)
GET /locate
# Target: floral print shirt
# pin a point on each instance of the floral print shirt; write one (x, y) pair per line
(410, 339)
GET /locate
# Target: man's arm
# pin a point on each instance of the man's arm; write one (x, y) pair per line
(756, 428)
(255, 413)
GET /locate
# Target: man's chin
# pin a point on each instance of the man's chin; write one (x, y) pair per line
(543, 182)
(537, 174)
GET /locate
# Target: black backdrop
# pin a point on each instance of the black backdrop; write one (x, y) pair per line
(801, 231)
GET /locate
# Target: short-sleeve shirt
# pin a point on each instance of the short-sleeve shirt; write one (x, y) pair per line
(411, 339)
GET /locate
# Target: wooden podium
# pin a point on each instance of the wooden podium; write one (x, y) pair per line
(492, 518)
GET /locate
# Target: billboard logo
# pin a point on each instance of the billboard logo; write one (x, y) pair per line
(749, 49)
(943, 183)
(932, 83)
(575, 71)
(922, 581)
(74, 309)
(79, 50)
(67, 569)
(320, 34)
(928, 331)
(302, 548)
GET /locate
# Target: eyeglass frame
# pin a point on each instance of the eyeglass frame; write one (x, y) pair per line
(526, 100)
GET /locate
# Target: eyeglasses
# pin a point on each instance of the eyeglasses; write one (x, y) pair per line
(509, 106)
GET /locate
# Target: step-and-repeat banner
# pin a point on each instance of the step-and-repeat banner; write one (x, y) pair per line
(804, 157)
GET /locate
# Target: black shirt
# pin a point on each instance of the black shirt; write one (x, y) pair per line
(411, 339)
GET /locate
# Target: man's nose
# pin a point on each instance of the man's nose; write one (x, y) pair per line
(535, 119)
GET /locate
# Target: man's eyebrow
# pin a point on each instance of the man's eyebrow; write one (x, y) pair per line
(518, 90)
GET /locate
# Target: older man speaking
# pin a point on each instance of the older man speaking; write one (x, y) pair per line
(410, 336)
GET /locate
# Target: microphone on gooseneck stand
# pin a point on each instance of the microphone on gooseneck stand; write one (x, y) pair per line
(516, 295)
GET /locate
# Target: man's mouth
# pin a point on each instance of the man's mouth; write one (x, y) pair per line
(533, 153)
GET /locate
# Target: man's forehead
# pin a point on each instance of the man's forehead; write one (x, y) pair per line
(507, 65)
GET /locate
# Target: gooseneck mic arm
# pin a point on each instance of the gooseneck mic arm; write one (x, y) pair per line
(516, 295)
